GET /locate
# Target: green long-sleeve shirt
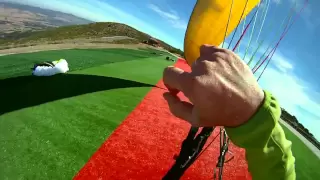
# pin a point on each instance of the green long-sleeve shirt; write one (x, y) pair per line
(268, 152)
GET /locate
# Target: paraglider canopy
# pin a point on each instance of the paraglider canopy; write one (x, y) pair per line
(50, 68)
(211, 21)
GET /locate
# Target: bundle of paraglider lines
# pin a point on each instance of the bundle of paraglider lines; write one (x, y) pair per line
(202, 20)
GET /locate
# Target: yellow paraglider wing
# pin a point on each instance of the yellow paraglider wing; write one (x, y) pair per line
(208, 22)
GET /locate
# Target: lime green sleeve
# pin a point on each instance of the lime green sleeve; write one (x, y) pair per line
(268, 152)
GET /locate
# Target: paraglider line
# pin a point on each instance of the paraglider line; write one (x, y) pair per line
(225, 33)
(252, 31)
(283, 35)
(245, 30)
(271, 27)
(243, 26)
(266, 66)
(264, 18)
(208, 145)
(244, 9)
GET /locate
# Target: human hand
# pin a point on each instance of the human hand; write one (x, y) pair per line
(221, 88)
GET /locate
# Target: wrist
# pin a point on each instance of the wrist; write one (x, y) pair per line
(257, 128)
(251, 105)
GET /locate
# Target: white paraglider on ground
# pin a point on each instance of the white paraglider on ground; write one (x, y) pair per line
(60, 67)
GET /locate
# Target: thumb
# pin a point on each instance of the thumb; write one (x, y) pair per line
(178, 108)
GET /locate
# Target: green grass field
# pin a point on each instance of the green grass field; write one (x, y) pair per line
(307, 162)
(50, 126)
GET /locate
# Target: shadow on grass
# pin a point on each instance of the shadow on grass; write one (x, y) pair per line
(26, 91)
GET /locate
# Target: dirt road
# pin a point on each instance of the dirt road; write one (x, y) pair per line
(79, 45)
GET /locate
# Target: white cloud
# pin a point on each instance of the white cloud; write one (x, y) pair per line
(171, 16)
(306, 14)
(277, 1)
(281, 63)
(168, 15)
(299, 4)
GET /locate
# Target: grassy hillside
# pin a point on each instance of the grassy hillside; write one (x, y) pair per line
(93, 30)
(20, 18)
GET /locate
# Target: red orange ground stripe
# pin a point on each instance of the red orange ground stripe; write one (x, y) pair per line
(142, 147)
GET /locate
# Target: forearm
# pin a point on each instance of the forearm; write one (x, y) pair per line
(268, 152)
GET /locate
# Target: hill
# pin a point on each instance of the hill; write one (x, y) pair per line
(21, 18)
(97, 30)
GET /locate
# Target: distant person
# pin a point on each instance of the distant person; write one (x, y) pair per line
(224, 92)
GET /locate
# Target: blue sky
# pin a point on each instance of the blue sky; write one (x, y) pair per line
(292, 74)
